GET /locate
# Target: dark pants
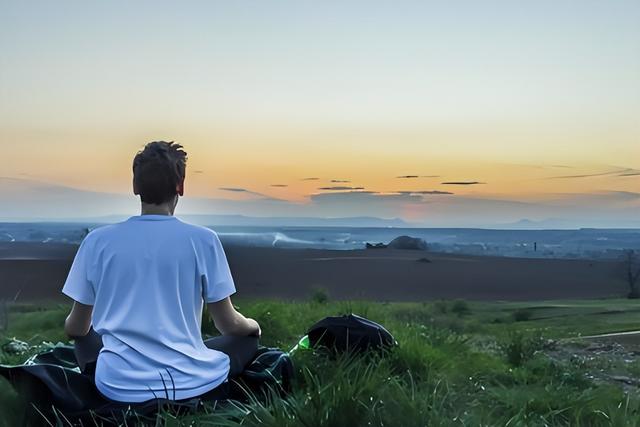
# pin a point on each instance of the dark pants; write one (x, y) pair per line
(241, 351)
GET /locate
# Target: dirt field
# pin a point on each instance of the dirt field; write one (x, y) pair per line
(37, 272)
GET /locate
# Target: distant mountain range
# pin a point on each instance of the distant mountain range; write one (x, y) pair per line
(545, 224)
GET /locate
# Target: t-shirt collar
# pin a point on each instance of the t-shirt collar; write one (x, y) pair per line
(152, 217)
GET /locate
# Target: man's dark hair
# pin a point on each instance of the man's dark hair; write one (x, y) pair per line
(157, 170)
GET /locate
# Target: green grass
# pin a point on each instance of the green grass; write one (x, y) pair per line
(458, 363)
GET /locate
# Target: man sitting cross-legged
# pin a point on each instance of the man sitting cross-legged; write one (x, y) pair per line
(139, 288)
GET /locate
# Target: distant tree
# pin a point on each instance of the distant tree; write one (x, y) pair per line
(320, 296)
(632, 264)
(461, 308)
(522, 315)
(4, 315)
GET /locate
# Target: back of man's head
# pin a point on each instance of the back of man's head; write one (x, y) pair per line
(158, 170)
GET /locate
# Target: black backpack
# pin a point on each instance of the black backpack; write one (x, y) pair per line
(350, 333)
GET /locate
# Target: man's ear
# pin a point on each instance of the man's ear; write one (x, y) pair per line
(180, 187)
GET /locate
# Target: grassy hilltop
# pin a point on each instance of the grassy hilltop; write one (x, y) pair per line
(458, 363)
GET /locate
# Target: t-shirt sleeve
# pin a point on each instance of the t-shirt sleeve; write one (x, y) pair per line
(217, 281)
(78, 285)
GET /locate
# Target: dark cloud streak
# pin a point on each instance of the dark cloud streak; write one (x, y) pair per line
(340, 188)
(619, 172)
(462, 183)
(425, 192)
(235, 189)
(245, 191)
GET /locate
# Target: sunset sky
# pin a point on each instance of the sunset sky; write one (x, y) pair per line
(389, 105)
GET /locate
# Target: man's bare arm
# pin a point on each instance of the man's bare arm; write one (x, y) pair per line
(230, 322)
(78, 322)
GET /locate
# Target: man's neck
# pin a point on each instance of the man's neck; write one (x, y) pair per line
(151, 209)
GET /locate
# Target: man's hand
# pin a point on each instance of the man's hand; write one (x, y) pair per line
(78, 322)
(229, 322)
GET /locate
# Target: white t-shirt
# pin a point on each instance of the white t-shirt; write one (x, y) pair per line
(147, 279)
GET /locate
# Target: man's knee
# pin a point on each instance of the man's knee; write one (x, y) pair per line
(86, 349)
